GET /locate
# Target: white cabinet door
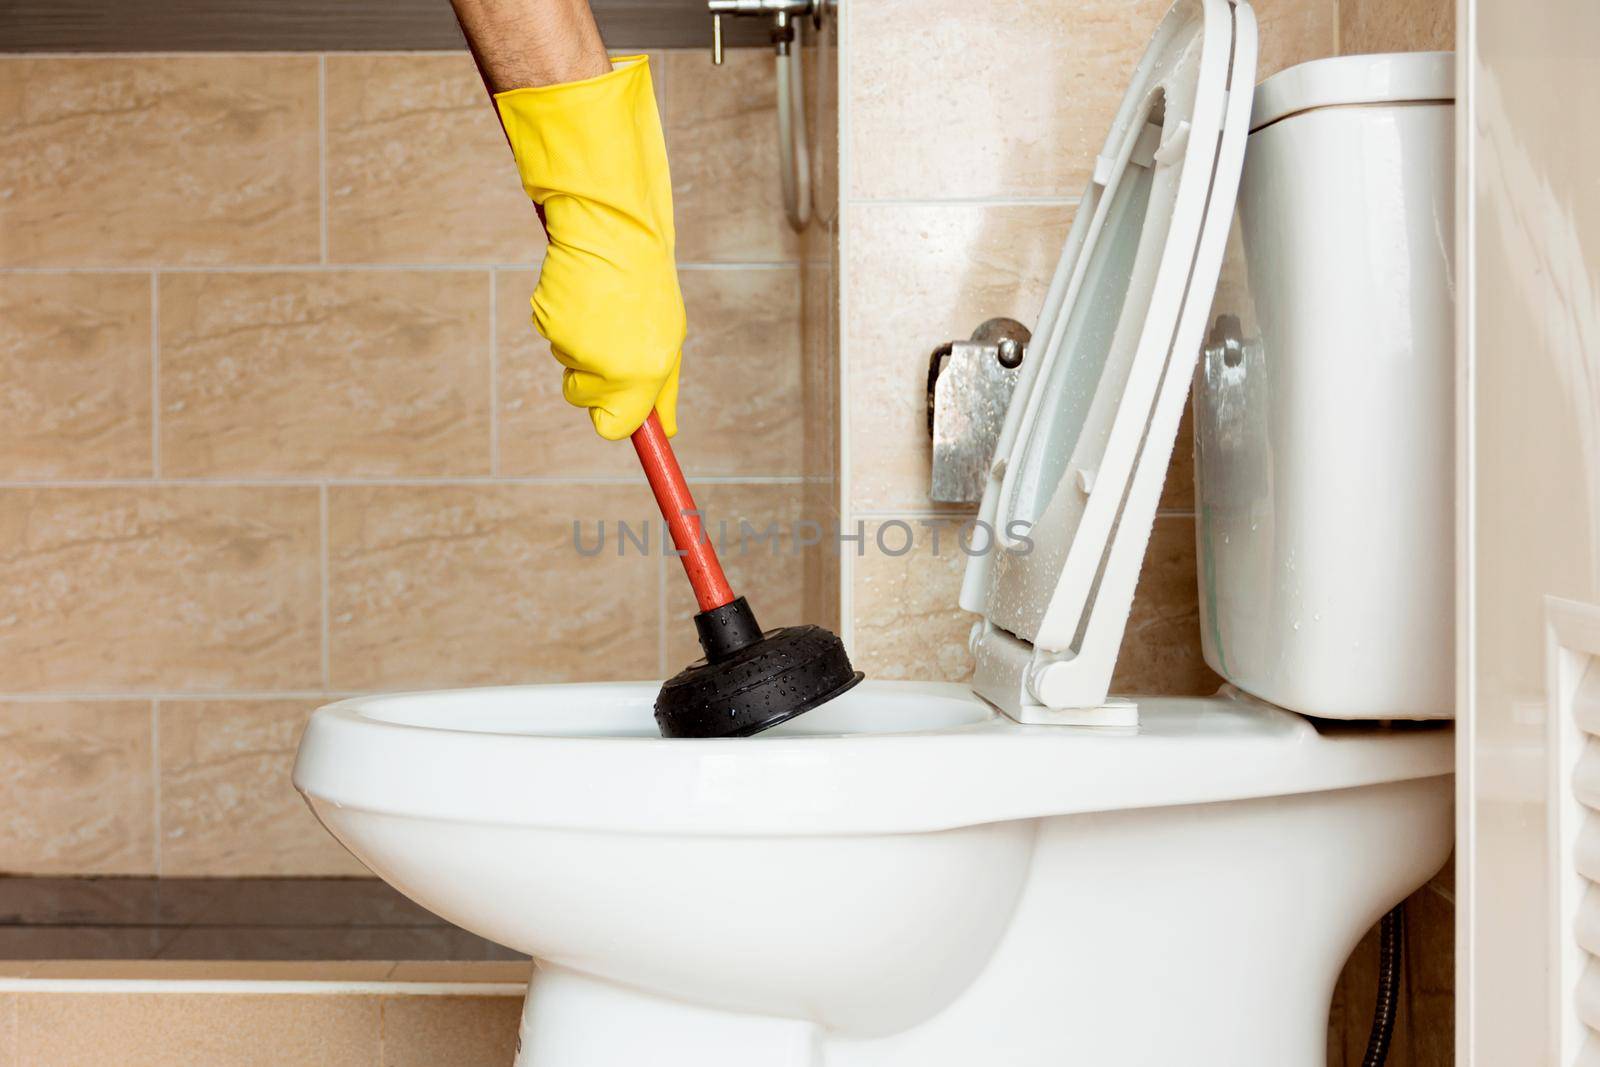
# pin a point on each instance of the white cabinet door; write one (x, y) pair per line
(1528, 249)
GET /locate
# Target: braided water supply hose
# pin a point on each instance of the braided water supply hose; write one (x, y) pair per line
(1391, 952)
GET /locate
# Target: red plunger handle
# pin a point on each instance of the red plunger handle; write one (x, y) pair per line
(711, 587)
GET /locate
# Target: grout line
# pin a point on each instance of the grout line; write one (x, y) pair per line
(494, 378)
(155, 779)
(327, 619)
(464, 480)
(964, 514)
(155, 374)
(963, 201)
(211, 53)
(322, 154)
(169, 696)
(844, 161)
(952, 514)
(295, 267)
(773, 264)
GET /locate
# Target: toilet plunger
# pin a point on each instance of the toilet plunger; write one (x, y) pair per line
(749, 680)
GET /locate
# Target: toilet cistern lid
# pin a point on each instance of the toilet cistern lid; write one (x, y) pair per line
(1072, 492)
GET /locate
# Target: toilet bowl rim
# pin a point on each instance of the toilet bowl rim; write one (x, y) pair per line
(1190, 751)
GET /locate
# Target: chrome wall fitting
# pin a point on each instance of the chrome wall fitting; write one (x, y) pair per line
(783, 12)
(969, 389)
(787, 18)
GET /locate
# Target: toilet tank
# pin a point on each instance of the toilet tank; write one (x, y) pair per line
(1324, 398)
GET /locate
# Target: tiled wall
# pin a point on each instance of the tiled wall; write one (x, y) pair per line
(1396, 26)
(274, 427)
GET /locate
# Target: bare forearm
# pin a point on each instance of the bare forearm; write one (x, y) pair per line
(521, 43)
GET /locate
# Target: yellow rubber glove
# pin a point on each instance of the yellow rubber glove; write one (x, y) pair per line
(593, 158)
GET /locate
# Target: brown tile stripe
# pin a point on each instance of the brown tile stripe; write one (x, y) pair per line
(171, 1029)
(405, 973)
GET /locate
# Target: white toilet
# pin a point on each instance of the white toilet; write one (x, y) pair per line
(1025, 872)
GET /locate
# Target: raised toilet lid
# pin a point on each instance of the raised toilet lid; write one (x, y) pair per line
(1073, 488)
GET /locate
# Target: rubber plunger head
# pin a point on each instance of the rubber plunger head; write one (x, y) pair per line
(751, 681)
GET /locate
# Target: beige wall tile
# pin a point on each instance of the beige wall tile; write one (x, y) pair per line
(822, 120)
(1425, 1030)
(197, 1030)
(466, 585)
(920, 275)
(820, 598)
(325, 373)
(1396, 26)
(1430, 981)
(722, 138)
(907, 624)
(739, 402)
(228, 807)
(1294, 31)
(77, 792)
(75, 363)
(194, 159)
(819, 371)
(1177, 492)
(159, 588)
(926, 121)
(1160, 652)
(418, 168)
(770, 573)
(740, 392)
(459, 1031)
(1338, 1021)
(8, 1030)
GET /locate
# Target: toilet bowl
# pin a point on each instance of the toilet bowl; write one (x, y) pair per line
(903, 876)
(1027, 871)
